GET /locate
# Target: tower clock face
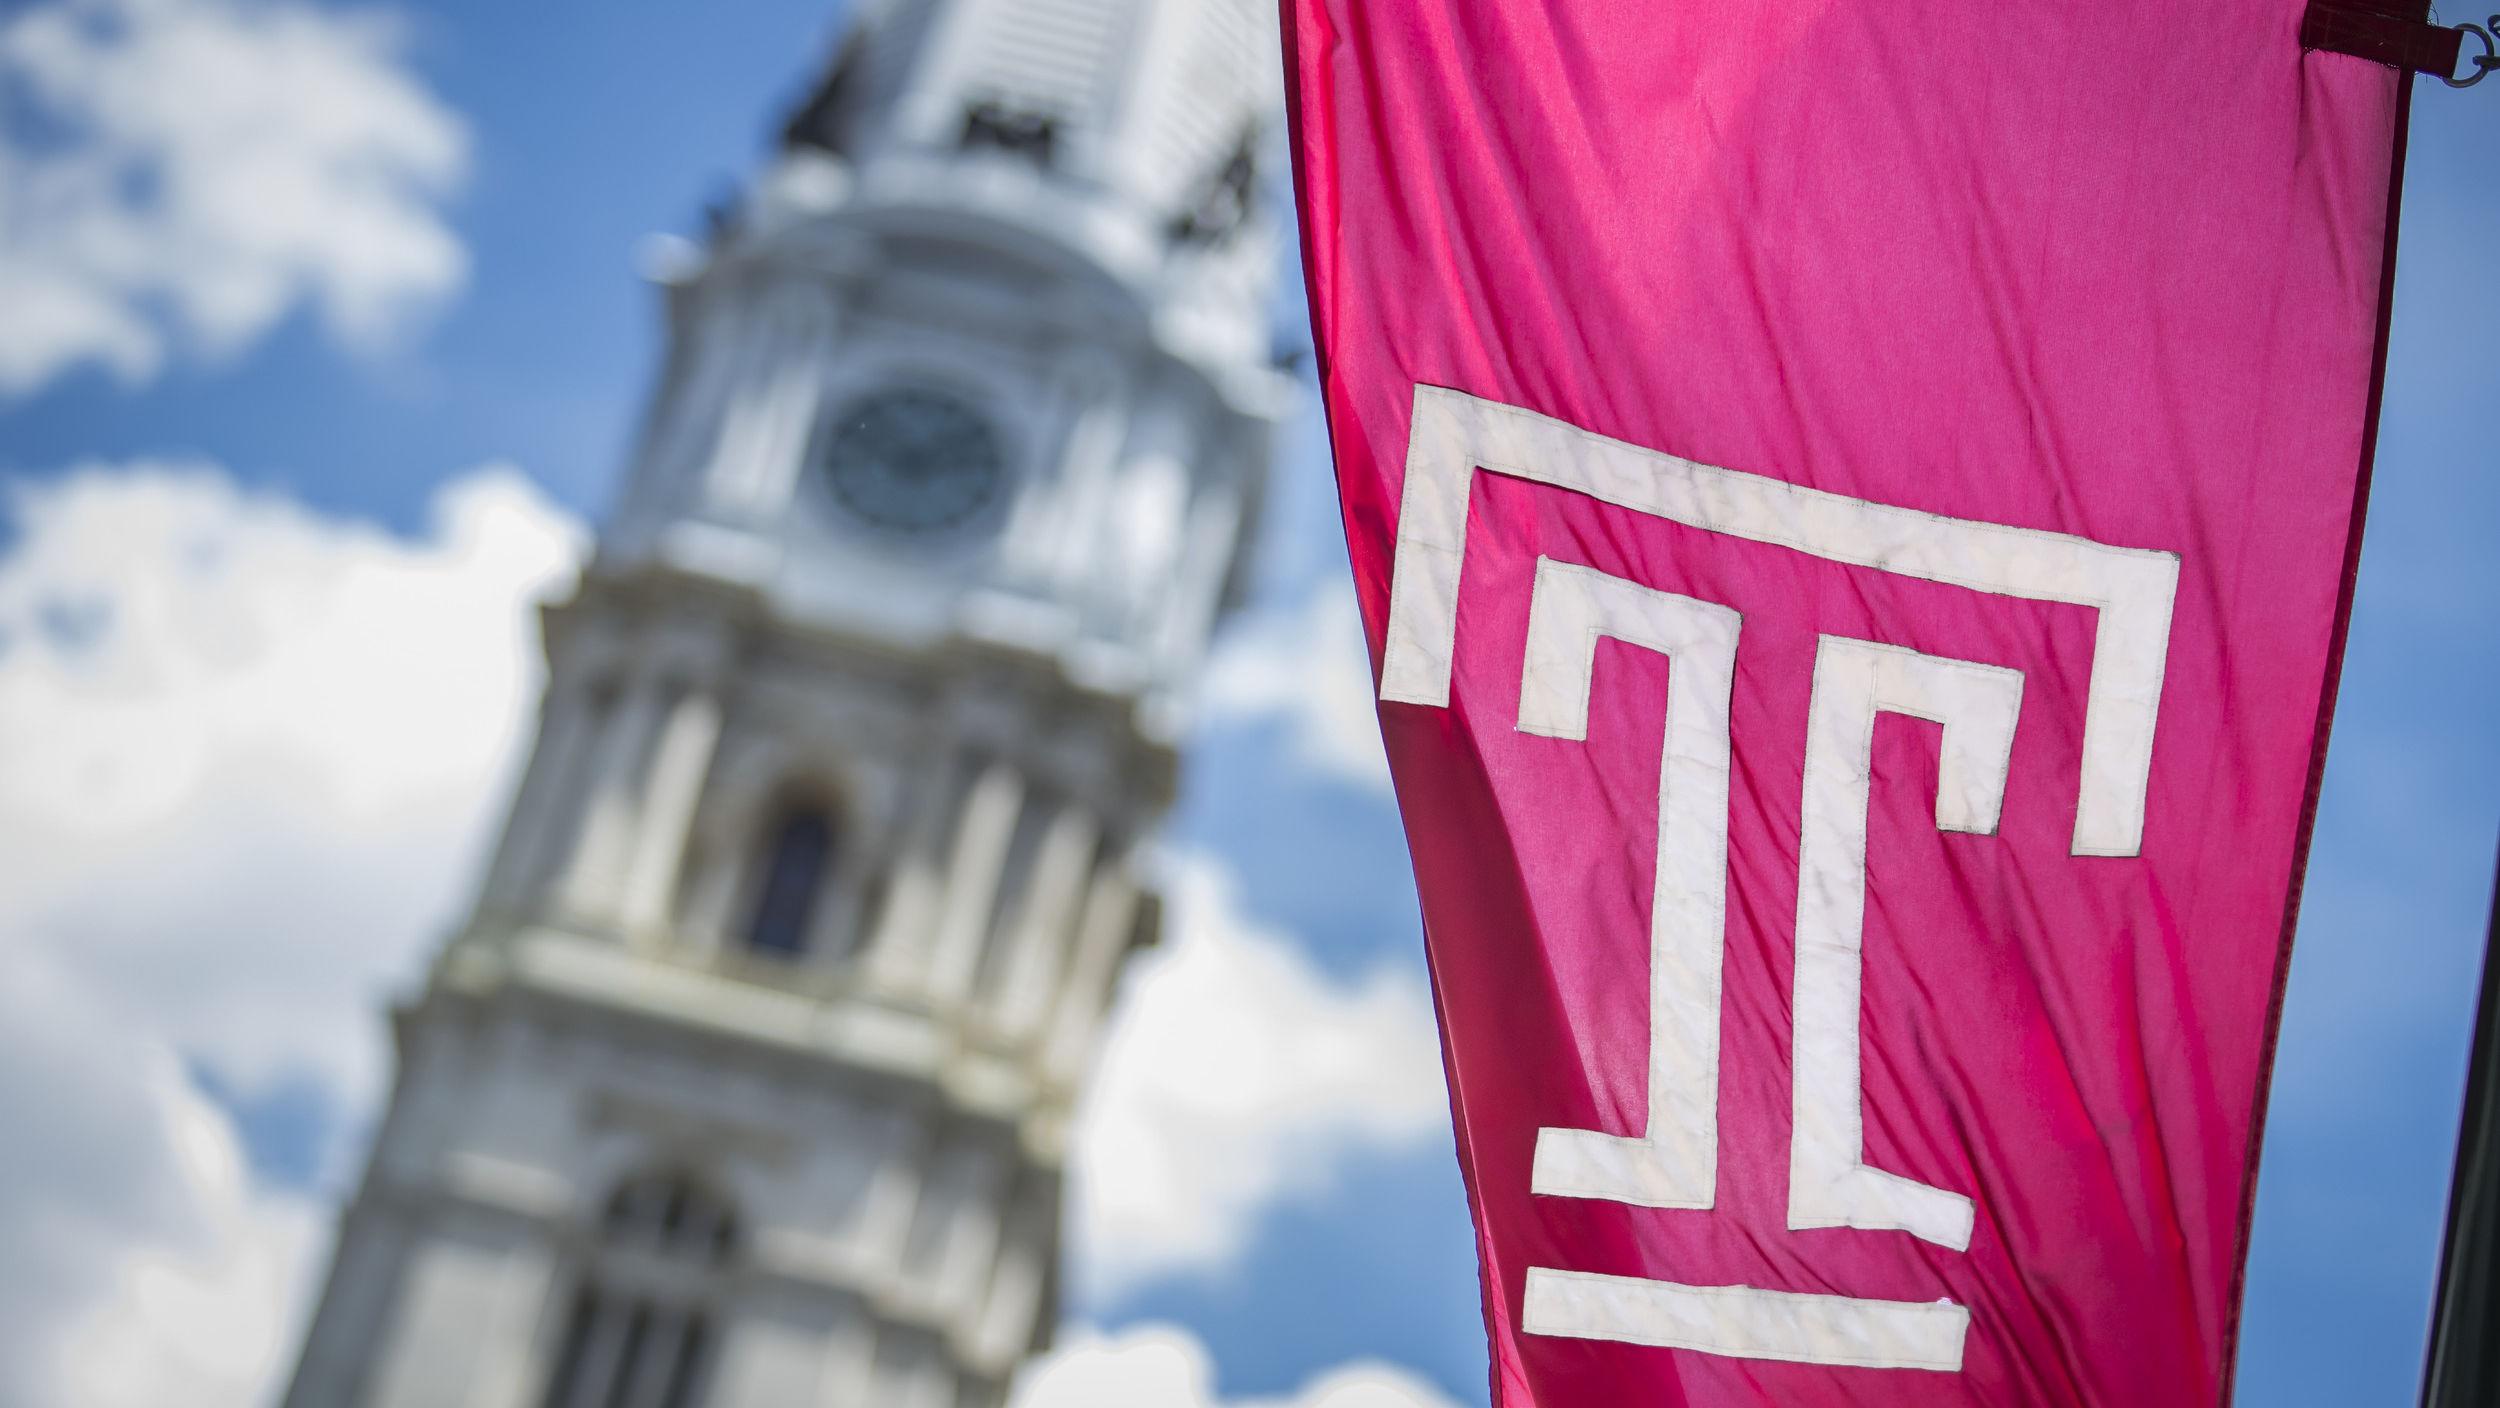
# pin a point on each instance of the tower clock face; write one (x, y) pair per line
(912, 460)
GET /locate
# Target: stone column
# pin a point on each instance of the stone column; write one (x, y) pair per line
(772, 409)
(1036, 941)
(900, 1143)
(669, 793)
(708, 925)
(1026, 1252)
(602, 845)
(1075, 553)
(1102, 936)
(1053, 519)
(972, 876)
(968, 1244)
(786, 1349)
(896, 955)
(1183, 620)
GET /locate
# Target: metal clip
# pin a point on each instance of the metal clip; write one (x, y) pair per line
(2485, 61)
(2399, 34)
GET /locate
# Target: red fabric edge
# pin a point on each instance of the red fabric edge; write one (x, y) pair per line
(2327, 692)
(1322, 365)
(1290, 26)
(1467, 1176)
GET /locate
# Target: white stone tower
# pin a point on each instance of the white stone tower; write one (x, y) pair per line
(748, 1082)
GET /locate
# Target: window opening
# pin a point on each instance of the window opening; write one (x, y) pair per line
(794, 874)
(639, 1330)
(1024, 132)
(1223, 199)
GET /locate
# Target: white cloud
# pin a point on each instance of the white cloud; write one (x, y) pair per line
(1308, 666)
(199, 1306)
(248, 757)
(1164, 1366)
(186, 171)
(1234, 1073)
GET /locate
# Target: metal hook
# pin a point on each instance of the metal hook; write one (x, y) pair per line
(2485, 61)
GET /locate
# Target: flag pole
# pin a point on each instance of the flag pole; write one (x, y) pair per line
(2463, 1370)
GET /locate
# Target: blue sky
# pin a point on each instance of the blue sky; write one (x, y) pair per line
(590, 127)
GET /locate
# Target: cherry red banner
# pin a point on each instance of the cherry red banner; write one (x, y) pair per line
(1854, 509)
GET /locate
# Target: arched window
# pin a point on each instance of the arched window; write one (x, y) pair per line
(639, 1334)
(795, 862)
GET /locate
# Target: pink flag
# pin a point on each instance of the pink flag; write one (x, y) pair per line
(1854, 506)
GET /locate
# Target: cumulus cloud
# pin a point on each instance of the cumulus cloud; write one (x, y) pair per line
(1164, 1366)
(184, 172)
(192, 1276)
(248, 759)
(1307, 666)
(1235, 1073)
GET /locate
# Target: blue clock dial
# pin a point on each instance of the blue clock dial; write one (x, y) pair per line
(912, 460)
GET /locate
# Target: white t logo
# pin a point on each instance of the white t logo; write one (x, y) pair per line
(1675, 1161)
(1829, 1183)
(1672, 1162)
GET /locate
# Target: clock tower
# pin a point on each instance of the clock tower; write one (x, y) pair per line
(748, 1080)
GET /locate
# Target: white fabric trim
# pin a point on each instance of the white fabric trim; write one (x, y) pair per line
(1746, 1323)
(1829, 1183)
(1452, 434)
(1674, 1162)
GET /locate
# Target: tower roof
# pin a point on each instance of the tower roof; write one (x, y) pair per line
(1157, 106)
